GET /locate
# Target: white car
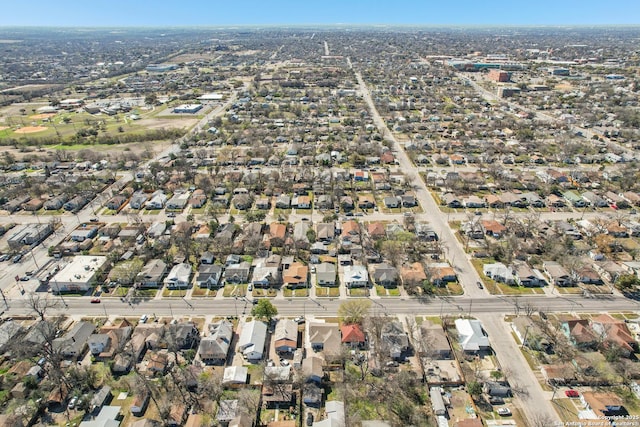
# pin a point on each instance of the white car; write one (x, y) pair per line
(504, 411)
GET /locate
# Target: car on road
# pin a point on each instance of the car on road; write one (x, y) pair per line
(504, 412)
(95, 301)
(571, 393)
(479, 285)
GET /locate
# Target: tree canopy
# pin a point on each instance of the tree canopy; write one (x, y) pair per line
(264, 310)
(354, 311)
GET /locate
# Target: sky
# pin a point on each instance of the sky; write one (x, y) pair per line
(115, 13)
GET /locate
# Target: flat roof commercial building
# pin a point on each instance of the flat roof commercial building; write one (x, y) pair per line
(78, 275)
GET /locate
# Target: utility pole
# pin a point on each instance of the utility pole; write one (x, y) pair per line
(4, 298)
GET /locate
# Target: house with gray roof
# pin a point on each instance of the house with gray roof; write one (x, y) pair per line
(209, 276)
(73, 344)
(253, 338)
(151, 274)
(214, 348)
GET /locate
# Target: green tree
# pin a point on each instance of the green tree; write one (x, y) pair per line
(474, 388)
(354, 311)
(627, 282)
(264, 310)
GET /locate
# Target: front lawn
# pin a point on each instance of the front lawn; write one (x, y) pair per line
(234, 290)
(326, 291)
(303, 292)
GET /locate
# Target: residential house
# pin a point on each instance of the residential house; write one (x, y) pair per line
(312, 369)
(385, 275)
(296, 276)
(73, 344)
(10, 330)
(614, 332)
(392, 202)
(471, 336)
(266, 275)
(442, 273)
(178, 201)
(109, 416)
(56, 203)
(326, 274)
(603, 406)
(183, 335)
(558, 274)
(499, 272)
(151, 274)
(376, 230)
(237, 273)
(579, 333)
(593, 199)
(235, 376)
(227, 411)
(214, 348)
(157, 201)
(209, 276)
(394, 339)
(252, 340)
(493, 228)
(353, 336)
(432, 342)
(356, 276)
(334, 410)
(325, 231)
(285, 336)
(525, 275)
(576, 200)
(116, 202)
(198, 199)
(179, 277)
(324, 337)
(138, 200)
(283, 202)
(413, 274)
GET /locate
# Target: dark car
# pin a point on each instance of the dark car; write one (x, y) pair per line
(309, 419)
(95, 301)
(479, 285)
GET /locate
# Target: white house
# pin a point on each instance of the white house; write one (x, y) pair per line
(471, 336)
(252, 340)
(178, 277)
(355, 276)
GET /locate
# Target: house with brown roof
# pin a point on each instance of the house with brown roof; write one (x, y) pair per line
(559, 374)
(376, 230)
(493, 228)
(603, 404)
(493, 201)
(366, 201)
(352, 335)
(285, 336)
(614, 332)
(296, 276)
(324, 337)
(277, 233)
(579, 333)
(198, 198)
(442, 273)
(412, 274)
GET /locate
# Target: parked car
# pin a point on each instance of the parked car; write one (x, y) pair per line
(72, 402)
(571, 393)
(17, 258)
(504, 412)
(299, 319)
(309, 419)
(4, 257)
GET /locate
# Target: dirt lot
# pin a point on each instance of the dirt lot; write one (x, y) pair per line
(30, 129)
